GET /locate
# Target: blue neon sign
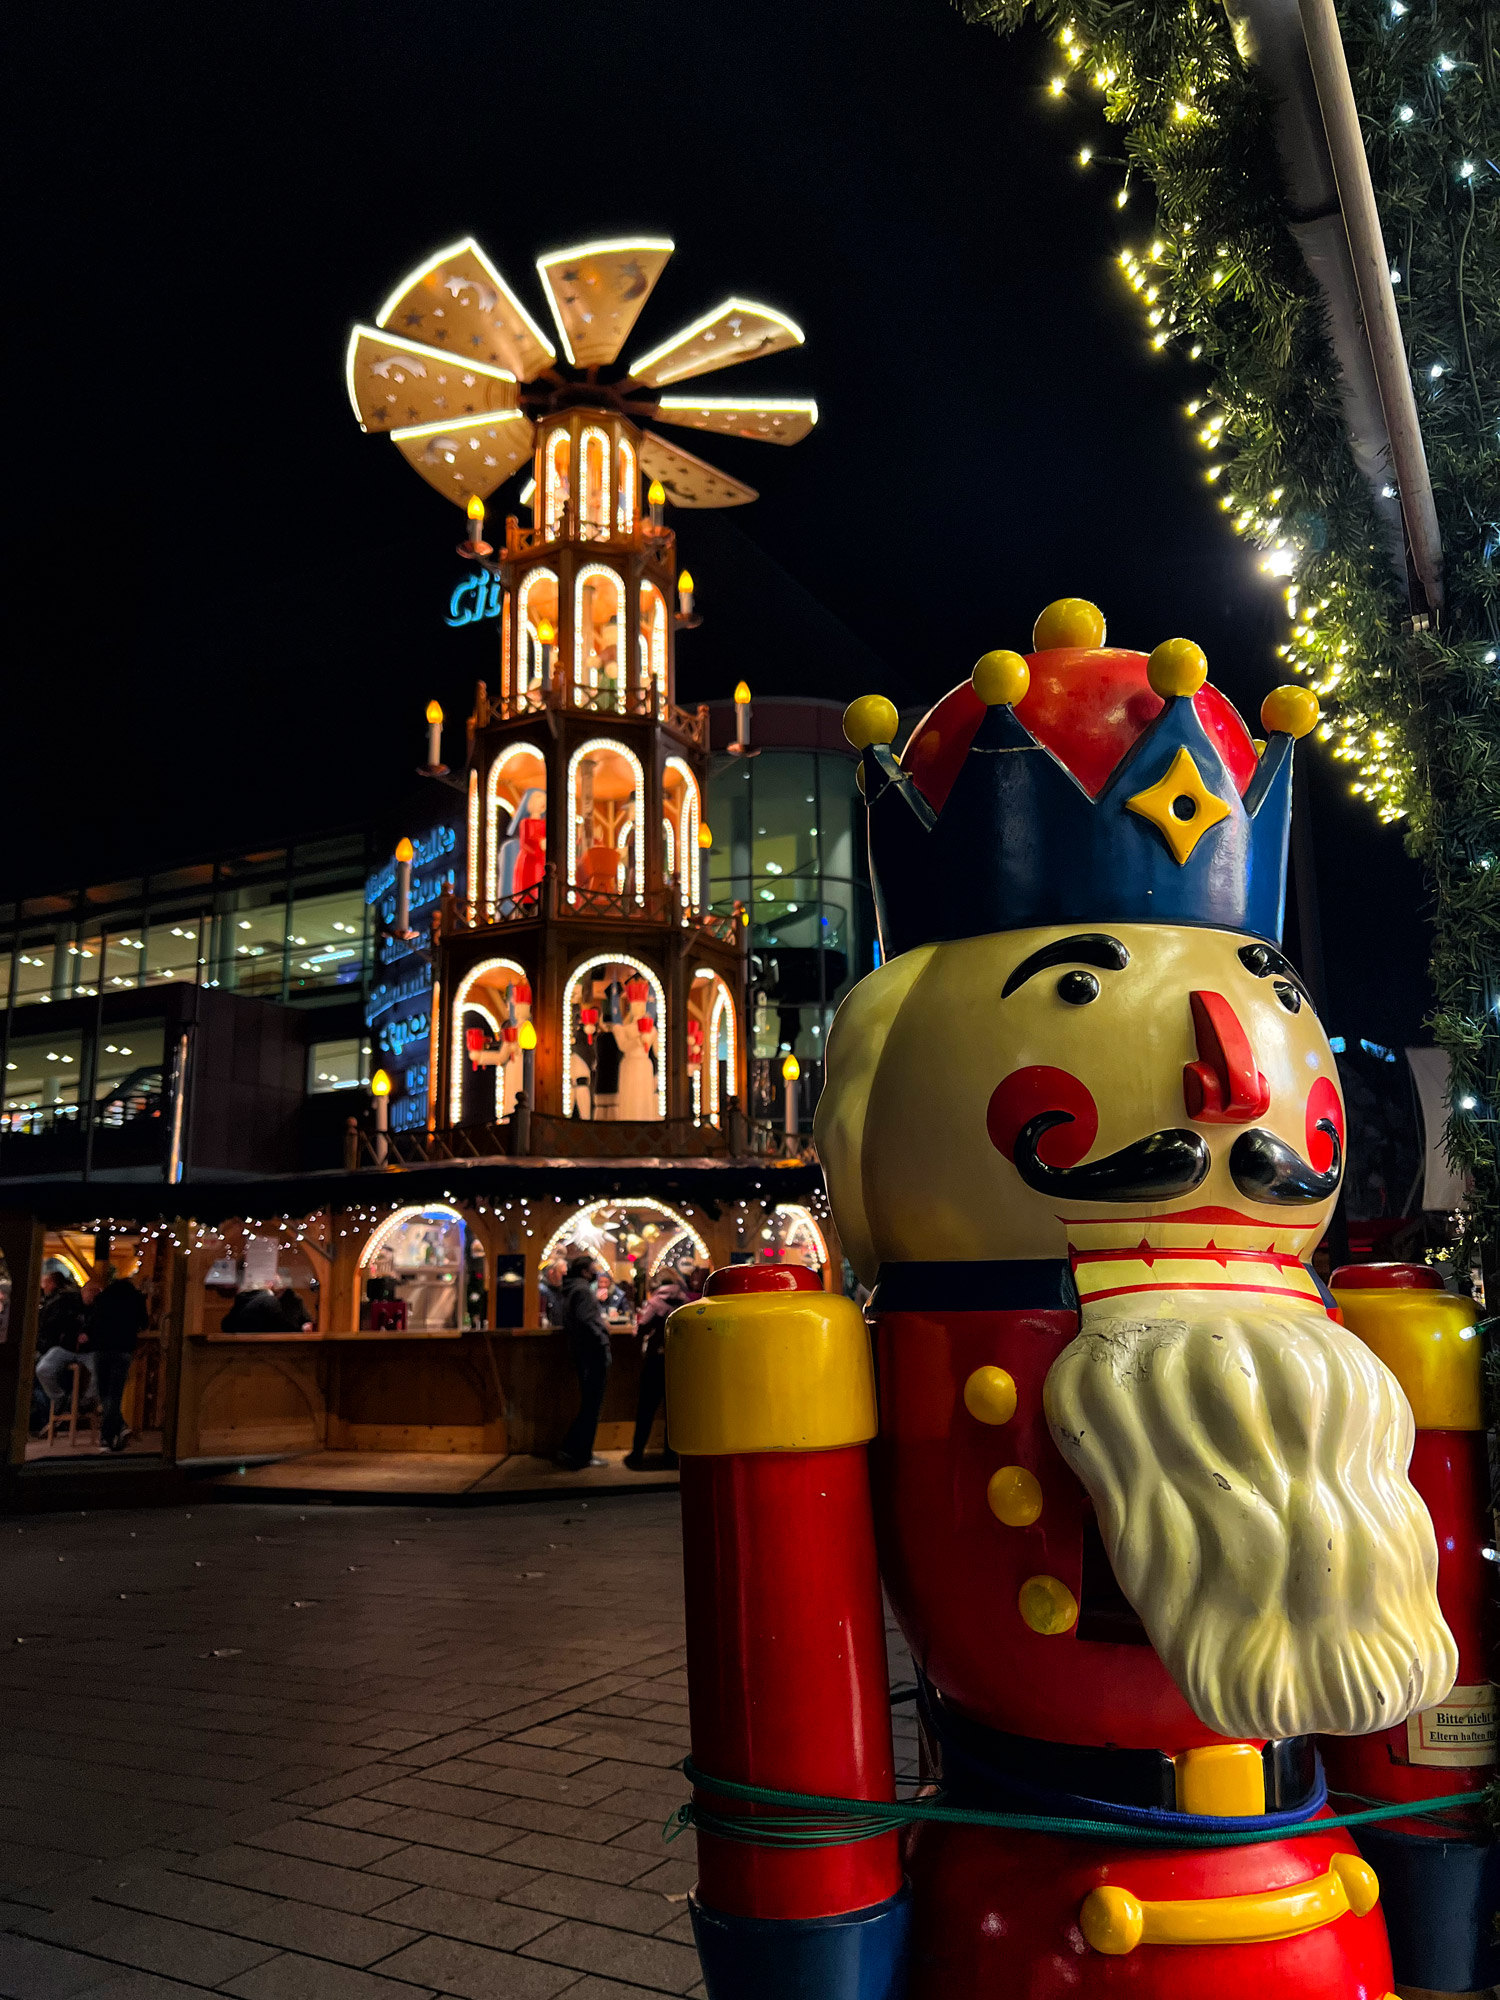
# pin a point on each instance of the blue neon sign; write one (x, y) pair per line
(477, 597)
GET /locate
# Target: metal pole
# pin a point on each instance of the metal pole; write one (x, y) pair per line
(1372, 275)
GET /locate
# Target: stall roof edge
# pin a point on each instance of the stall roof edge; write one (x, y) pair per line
(703, 1181)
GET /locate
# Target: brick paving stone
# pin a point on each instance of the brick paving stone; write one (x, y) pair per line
(475, 1919)
(467, 1970)
(345, 1755)
(672, 1968)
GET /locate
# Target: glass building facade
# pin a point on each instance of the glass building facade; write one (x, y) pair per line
(788, 844)
(287, 924)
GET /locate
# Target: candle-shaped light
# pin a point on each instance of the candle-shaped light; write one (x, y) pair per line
(705, 846)
(404, 855)
(380, 1090)
(685, 593)
(656, 500)
(527, 1039)
(742, 717)
(791, 1069)
(476, 545)
(546, 638)
(434, 736)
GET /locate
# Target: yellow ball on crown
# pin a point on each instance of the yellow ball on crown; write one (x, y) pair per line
(871, 719)
(1071, 621)
(1290, 711)
(1001, 679)
(1177, 666)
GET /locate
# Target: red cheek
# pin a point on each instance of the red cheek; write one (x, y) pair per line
(1023, 1094)
(1322, 1102)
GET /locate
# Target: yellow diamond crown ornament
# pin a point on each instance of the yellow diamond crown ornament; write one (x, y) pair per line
(1180, 806)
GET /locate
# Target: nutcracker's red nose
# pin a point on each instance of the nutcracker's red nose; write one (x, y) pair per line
(1223, 1087)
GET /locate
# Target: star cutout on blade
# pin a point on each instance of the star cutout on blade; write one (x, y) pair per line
(1180, 806)
(411, 319)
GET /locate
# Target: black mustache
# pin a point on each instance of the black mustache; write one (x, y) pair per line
(1151, 1169)
(1266, 1169)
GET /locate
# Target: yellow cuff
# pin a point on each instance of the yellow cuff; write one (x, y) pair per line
(769, 1371)
(1116, 1922)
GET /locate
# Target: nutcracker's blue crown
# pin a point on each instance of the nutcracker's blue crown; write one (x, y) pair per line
(1084, 784)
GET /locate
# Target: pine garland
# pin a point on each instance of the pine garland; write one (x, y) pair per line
(1417, 714)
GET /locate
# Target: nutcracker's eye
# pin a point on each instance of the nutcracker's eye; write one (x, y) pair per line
(1078, 988)
(1288, 995)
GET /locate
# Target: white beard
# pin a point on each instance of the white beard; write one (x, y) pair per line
(1248, 1470)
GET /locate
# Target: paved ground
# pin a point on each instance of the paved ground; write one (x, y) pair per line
(348, 1754)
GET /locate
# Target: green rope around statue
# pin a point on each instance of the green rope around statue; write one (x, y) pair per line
(832, 1822)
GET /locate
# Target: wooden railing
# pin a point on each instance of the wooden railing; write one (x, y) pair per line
(553, 898)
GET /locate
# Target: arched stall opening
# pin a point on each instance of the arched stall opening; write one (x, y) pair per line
(413, 1272)
(516, 831)
(485, 1063)
(790, 1235)
(638, 1242)
(712, 1046)
(614, 1023)
(607, 794)
(595, 494)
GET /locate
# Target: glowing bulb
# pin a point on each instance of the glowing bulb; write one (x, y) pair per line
(475, 508)
(380, 1084)
(404, 849)
(1445, 64)
(742, 693)
(705, 837)
(1405, 114)
(656, 494)
(527, 1036)
(546, 632)
(1435, 370)
(1058, 85)
(685, 581)
(1467, 1103)
(791, 1069)
(1085, 154)
(1122, 197)
(1466, 171)
(434, 712)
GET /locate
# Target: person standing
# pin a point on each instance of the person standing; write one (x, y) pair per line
(116, 1321)
(588, 1343)
(674, 1290)
(58, 1327)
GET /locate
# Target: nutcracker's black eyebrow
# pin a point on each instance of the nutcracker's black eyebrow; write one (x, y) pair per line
(1089, 948)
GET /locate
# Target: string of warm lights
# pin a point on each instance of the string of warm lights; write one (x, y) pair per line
(1413, 714)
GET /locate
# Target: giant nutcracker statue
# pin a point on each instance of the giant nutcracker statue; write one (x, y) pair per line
(1140, 1504)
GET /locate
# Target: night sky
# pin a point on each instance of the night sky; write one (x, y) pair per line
(227, 603)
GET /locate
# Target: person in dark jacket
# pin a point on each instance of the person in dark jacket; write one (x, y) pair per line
(588, 1343)
(255, 1310)
(673, 1289)
(59, 1323)
(115, 1322)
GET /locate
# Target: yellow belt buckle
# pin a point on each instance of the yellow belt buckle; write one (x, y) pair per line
(1114, 1921)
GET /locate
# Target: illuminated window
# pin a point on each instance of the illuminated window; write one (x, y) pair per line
(558, 461)
(488, 995)
(536, 616)
(653, 642)
(595, 449)
(712, 1051)
(607, 795)
(598, 633)
(680, 797)
(628, 1236)
(625, 488)
(417, 1258)
(627, 1080)
(515, 826)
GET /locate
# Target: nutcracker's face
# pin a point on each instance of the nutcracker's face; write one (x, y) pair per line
(1002, 1097)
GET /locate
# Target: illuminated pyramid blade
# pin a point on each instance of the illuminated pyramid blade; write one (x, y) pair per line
(690, 482)
(471, 455)
(459, 302)
(733, 332)
(596, 292)
(394, 382)
(770, 420)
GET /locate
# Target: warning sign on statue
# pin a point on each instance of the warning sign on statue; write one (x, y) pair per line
(1460, 1730)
